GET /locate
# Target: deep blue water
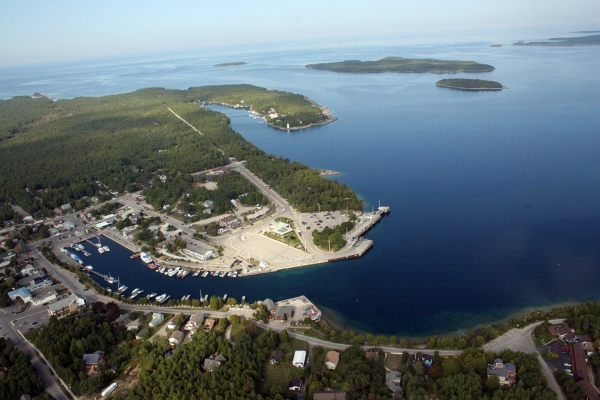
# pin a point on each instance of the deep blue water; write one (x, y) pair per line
(495, 196)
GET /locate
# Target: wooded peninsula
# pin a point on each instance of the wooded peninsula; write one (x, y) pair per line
(400, 64)
(68, 151)
(229, 64)
(470, 84)
(565, 41)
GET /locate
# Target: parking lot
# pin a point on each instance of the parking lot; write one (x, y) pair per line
(262, 248)
(322, 219)
(564, 356)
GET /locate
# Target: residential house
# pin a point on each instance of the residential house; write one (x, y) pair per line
(208, 204)
(589, 348)
(393, 381)
(57, 212)
(299, 358)
(173, 322)
(329, 395)
(269, 306)
(91, 361)
(332, 359)
(123, 320)
(507, 373)
(276, 359)
(213, 362)
(176, 338)
(427, 360)
(283, 313)
(66, 207)
(567, 335)
(143, 334)
(296, 384)
(65, 306)
(157, 318)
(209, 324)
(195, 322)
(372, 354)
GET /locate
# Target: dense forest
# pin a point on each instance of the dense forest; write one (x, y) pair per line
(470, 84)
(19, 376)
(60, 152)
(400, 64)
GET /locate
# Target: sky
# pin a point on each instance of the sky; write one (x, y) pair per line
(38, 31)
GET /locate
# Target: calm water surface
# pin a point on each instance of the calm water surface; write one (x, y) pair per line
(495, 196)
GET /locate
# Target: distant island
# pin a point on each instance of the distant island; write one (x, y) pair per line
(470, 84)
(400, 64)
(229, 64)
(495, 45)
(570, 41)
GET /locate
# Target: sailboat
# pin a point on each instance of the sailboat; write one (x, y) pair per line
(100, 248)
(121, 288)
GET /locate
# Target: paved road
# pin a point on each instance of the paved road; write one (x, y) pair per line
(520, 340)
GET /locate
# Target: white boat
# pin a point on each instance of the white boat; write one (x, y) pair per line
(146, 258)
(133, 295)
(122, 288)
(151, 295)
(100, 250)
(62, 249)
(106, 248)
(204, 275)
(89, 267)
(196, 273)
(161, 298)
(87, 254)
(225, 297)
(162, 270)
(185, 273)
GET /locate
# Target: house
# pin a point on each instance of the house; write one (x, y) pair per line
(143, 334)
(296, 384)
(157, 318)
(427, 360)
(590, 391)
(209, 324)
(123, 320)
(282, 313)
(393, 381)
(299, 358)
(507, 373)
(195, 322)
(372, 354)
(589, 348)
(44, 297)
(579, 356)
(230, 221)
(213, 362)
(176, 338)
(567, 335)
(276, 359)
(65, 207)
(173, 322)
(57, 212)
(269, 306)
(91, 361)
(332, 359)
(329, 395)
(23, 293)
(65, 306)
(208, 204)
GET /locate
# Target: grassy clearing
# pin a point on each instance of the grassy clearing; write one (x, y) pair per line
(541, 338)
(393, 361)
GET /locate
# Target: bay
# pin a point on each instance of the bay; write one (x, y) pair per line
(494, 195)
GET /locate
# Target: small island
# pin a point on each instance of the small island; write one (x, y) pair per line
(569, 41)
(404, 65)
(495, 45)
(230, 64)
(470, 84)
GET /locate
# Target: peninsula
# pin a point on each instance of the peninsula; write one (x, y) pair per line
(230, 64)
(587, 40)
(470, 84)
(405, 65)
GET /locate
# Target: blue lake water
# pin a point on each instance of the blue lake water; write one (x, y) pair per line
(495, 196)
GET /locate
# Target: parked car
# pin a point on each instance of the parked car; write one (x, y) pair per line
(565, 348)
(567, 364)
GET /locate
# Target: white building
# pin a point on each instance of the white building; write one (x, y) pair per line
(157, 318)
(299, 358)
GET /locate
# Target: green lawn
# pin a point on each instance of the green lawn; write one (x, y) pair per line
(393, 361)
(542, 338)
(278, 374)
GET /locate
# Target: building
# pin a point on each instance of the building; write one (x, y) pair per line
(269, 306)
(65, 207)
(507, 373)
(176, 338)
(276, 359)
(213, 362)
(157, 318)
(208, 204)
(299, 358)
(281, 229)
(230, 221)
(579, 356)
(65, 306)
(21, 293)
(567, 335)
(143, 334)
(173, 322)
(44, 297)
(296, 384)
(209, 324)
(332, 359)
(393, 381)
(283, 313)
(589, 348)
(329, 395)
(195, 322)
(589, 389)
(91, 361)
(123, 320)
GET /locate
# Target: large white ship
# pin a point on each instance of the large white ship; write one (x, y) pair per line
(146, 258)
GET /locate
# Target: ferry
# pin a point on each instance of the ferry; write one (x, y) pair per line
(146, 258)
(204, 275)
(136, 255)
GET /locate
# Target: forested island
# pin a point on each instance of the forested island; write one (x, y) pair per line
(229, 64)
(70, 151)
(470, 84)
(565, 41)
(400, 64)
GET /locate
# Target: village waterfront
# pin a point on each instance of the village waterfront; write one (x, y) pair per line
(494, 196)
